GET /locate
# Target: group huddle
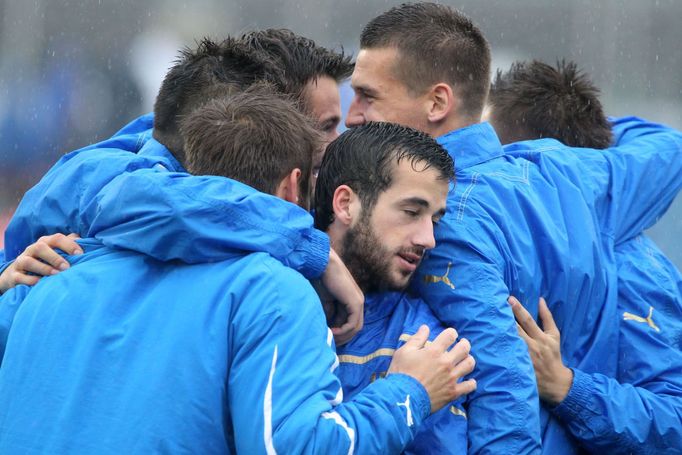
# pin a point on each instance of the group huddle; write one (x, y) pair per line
(462, 271)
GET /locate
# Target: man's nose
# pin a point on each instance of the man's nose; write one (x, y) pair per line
(356, 116)
(424, 235)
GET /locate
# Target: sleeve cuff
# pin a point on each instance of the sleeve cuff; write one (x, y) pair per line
(314, 254)
(419, 398)
(578, 397)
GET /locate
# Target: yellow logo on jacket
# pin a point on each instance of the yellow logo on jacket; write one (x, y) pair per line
(432, 279)
(647, 320)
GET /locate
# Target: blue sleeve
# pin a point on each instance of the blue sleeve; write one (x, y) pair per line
(203, 218)
(3, 264)
(443, 433)
(62, 200)
(464, 287)
(639, 411)
(10, 302)
(282, 392)
(55, 204)
(630, 418)
(635, 181)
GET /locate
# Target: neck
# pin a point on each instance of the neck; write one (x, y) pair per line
(452, 123)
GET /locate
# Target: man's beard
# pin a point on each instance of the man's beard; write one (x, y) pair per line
(368, 260)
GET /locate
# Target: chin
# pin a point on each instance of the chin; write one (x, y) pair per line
(400, 282)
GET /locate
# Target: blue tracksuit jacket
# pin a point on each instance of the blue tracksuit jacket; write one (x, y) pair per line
(646, 276)
(126, 354)
(390, 319)
(66, 200)
(538, 219)
(647, 389)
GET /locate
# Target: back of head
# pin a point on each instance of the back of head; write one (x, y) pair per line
(300, 59)
(534, 100)
(211, 70)
(365, 157)
(279, 57)
(256, 137)
(435, 43)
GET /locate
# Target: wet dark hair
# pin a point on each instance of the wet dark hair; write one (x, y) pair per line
(300, 58)
(209, 71)
(364, 158)
(435, 43)
(534, 100)
(214, 69)
(256, 137)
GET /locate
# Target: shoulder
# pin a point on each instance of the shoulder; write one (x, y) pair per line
(418, 314)
(269, 277)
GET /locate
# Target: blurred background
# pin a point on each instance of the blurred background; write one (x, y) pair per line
(73, 72)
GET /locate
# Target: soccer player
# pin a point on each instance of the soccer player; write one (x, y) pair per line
(536, 100)
(534, 219)
(123, 353)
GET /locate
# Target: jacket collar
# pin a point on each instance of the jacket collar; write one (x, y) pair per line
(154, 149)
(472, 145)
(381, 305)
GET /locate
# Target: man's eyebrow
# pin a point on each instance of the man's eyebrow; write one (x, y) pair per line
(332, 118)
(422, 203)
(416, 201)
(364, 89)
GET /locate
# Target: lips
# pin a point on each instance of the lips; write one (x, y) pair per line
(409, 261)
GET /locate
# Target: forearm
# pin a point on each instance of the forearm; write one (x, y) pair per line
(373, 419)
(503, 413)
(9, 305)
(644, 175)
(610, 417)
(198, 219)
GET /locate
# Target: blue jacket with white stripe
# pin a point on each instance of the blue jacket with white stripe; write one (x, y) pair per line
(66, 201)
(122, 353)
(391, 319)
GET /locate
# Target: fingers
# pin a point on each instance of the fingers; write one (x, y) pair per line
(66, 243)
(547, 319)
(445, 339)
(466, 387)
(418, 340)
(22, 278)
(349, 329)
(464, 367)
(26, 264)
(523, 334)
(30, 260)
(460, 351)
(524, 319)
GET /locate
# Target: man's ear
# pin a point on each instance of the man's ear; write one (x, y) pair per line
(288, 187)
(441, 102)
(346, 205)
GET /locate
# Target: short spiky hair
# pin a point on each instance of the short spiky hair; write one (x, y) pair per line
(212, 69)
(300, 58)
(534, 100)
(435, 44)
(256, 137)
(365, 157)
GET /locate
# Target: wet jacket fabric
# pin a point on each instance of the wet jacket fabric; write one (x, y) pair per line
(122, 353)
(540, 219)
(66, 201)
(390, 320)
(646, 276)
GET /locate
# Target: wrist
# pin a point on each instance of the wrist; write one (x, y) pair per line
(559, 387)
